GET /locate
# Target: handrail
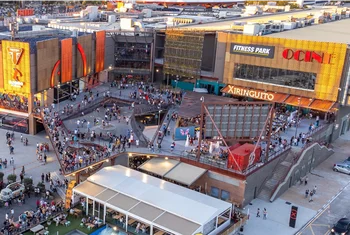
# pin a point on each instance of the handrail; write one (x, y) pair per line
(159, 126)
(296, 158)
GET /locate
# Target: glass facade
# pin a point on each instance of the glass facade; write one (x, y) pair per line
(283, 77)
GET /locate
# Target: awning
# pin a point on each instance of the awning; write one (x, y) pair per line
(294, 100)
(177, 223)
(185, 173)
(158, 166)
(321, 105)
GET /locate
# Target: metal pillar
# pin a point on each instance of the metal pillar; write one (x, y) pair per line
(87, 206)
(200, 132)
(104, 213)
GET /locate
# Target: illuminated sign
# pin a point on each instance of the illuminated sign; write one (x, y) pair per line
(253, 50)
(249, 93)
(293, 216)
(15, 55)
(307, 56)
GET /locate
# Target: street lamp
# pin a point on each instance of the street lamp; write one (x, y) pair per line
(297, 117)
(58, 97)
(159, 117)
(176, 81)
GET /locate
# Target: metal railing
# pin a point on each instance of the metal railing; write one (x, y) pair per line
(222, 164)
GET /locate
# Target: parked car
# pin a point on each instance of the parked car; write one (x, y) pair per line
(342, 167)
(342, 227)
(11, 191)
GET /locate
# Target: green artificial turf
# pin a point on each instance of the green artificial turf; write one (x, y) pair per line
(62, 229)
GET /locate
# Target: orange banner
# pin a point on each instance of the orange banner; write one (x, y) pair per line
(16, 66)
(100, 51)
(66, 60)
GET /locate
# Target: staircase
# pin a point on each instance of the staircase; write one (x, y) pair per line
(277, 176)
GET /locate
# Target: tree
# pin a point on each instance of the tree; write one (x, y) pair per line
(41, 186)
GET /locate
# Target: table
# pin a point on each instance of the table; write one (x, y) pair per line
(159, 233)
(37, 228)
(131, 221)
(90, 225)
(109, 210)
(78, 211)
(117, 216)
(42, 232)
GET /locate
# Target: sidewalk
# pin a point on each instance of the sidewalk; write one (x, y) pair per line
(328, 184)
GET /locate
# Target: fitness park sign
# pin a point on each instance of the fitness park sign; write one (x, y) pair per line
(253, 50)
(306, 56)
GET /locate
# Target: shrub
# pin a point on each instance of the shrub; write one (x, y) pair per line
(28, 183)
(1, 176)
(41, 186)
(11, 178)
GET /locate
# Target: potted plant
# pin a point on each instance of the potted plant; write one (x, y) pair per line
(11, 178)
(28, 184)
(49, 221)
(41, 186)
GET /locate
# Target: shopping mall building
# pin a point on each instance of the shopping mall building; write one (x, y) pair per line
(298, 68)
(41, 70)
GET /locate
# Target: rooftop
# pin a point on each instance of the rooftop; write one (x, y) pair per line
(335, 31)
(174, 206)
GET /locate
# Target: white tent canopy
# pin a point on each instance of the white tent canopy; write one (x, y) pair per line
(174, 208)
(174, 170)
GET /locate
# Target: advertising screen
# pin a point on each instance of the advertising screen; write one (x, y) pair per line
(298, 67)
(48, 69)
(16, 66)
(100, 51)
(84, 55)
(66, 60)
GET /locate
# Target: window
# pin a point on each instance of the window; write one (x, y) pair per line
(276, 76)
(225, 196)
(214, 192)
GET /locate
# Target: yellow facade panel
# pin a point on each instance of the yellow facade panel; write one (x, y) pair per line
(16, 66)
(328, 69)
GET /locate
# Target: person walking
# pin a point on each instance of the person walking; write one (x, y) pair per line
(311, 194)
(265, 214)
(306, 179)
(307, 193)
(314, 190)
(172, 146)
(258, 213)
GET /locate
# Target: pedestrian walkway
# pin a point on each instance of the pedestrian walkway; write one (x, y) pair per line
(328, 184)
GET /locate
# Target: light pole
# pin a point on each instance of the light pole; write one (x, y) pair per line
(297, 117)
(160, 111)
(58, 97)
(176, 81)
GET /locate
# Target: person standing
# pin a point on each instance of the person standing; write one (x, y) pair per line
(137, 143)
(258, 213)
(172, 146)
(306, 193)
(306, 179)
(314, 190)
(265, 214)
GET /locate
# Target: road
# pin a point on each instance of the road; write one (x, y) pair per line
(336, 210)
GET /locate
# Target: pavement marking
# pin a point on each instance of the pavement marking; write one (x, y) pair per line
(312, 231)
(328, 232)
(326, 225)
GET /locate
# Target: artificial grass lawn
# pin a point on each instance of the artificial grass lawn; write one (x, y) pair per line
(62, 229)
